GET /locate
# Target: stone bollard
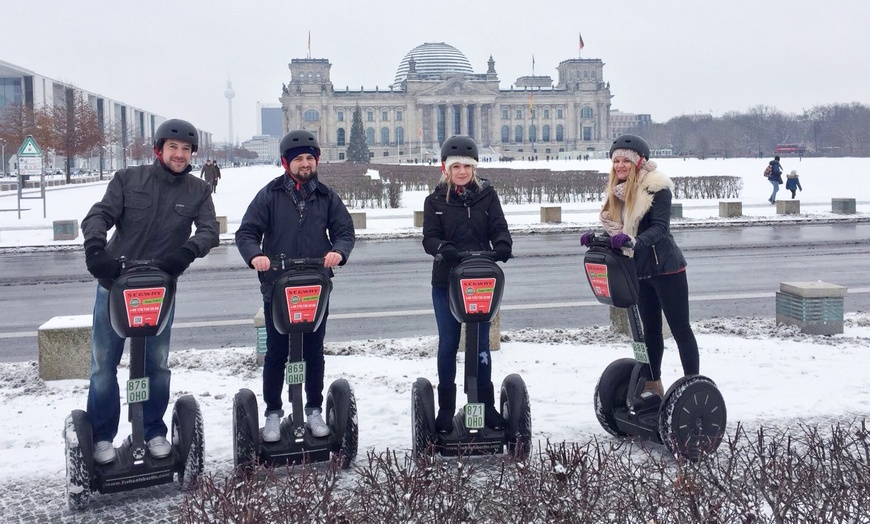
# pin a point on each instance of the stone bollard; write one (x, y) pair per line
(494, 334)
(843, 206)
(359, 220)
(66, 229)
(222, 224)
(418, 219)
(730, 209)
(551, 214)
(676, 210)
(619, 322)
(65, 348)
(788, 207)
(815, 307)
(260, 326)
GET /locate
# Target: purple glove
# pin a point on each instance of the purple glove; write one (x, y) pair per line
(619, 240)
(586, 239)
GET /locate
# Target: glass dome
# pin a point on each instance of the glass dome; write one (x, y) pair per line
(433, 59)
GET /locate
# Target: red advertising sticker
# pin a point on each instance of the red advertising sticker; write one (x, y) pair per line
(144, 305)
(477, 294)
(598, 278)
(302, 303)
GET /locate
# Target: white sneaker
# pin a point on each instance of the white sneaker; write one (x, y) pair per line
(272, 430)
(159, 447)
(104, 452)
(315, 423)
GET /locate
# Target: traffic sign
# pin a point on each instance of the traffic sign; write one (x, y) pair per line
(29, 148)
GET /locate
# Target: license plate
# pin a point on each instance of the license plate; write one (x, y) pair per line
(295, 373)
(474, 416)
(138, 390)
(640, 353)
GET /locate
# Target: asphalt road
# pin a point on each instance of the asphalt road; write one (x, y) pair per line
(384, 290)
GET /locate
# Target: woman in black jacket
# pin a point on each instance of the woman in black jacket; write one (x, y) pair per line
(463, 213)
(638, 210)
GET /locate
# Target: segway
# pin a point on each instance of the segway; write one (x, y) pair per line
(139, 303)
(690, 419)
(299, 300)
(475, 290)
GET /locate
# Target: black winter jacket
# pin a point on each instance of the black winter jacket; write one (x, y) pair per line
(272, 226)
(152, 211)
(476, 225)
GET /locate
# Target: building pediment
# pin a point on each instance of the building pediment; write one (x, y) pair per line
(457, 87)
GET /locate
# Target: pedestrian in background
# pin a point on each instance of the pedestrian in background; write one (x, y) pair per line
(792, 183)
(775, 178)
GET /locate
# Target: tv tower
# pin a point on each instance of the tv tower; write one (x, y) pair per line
(230, 94)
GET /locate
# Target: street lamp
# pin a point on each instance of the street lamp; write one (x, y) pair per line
(3, 156)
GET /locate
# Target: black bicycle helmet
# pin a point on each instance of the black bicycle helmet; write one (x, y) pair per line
(179, 130)
(459, 145)
(299, 138)
(633, 142)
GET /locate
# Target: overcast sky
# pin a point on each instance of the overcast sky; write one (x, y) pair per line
(664, 58)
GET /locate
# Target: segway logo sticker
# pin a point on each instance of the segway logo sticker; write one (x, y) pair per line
(478, 294)
(144, 306)
(597, 274)
(302, 302)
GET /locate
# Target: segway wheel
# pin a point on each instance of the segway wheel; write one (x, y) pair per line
(422, 417)
(517, 412)
(341, 417)
(188, 440)
(692, 417)
(79, 446)
(246, 432)
(611, 392)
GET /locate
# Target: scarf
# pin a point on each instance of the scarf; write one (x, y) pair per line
(614, 225)
(299, 192)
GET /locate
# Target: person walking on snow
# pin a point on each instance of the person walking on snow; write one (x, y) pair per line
(775, 178)
(792, 183)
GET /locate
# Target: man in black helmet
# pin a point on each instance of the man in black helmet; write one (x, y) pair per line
(152, 209)
(297, 215)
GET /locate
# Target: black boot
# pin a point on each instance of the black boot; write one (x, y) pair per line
(446, 408)
(491, 417)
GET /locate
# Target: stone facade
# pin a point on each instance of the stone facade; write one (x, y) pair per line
(410, 118)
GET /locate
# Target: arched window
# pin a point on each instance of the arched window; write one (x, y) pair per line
(339, 139)
(518, 134)
(560, 133)
(385, 136)
(545, 133)
(370, 136)
(505, 134)
(533, 133)
(400, 135)
(311, 115)
(586, 112)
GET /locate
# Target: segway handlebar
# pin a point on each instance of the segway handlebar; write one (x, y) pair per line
(128, 265)
(282, 263)
(602, 239)
(470, 254)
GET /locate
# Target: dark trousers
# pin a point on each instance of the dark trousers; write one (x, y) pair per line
(668, 293)
(449, 330)
(275, 362)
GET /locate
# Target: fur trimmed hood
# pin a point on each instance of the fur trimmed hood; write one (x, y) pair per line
(646, 189)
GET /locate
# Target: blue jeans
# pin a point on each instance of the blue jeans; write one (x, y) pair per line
(275, 363)
(104, 403)
(449, 331)
(775, 190)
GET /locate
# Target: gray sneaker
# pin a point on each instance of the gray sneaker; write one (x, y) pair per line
(159, 447)
(272, 430)
(314, 422)
(104, 452)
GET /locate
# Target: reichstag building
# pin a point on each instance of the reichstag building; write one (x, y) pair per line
(437, 94)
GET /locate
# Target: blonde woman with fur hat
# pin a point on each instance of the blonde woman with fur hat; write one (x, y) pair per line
(463, 213)
(638, 211)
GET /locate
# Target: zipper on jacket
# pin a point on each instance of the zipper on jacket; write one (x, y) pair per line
(655, 255)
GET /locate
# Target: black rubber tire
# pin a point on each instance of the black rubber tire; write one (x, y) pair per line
(188, 440)
(693, 417)
(422, 418)
(246, 431)
(517, 412)
(79, 446)
(611, 392)
(341, 417)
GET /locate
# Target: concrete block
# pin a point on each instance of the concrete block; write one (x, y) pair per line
(815, 289)
(359, 220)
(815, 307)
(730, 209)
(222, 224)
(65, 348)
(66, 229)
(676, 210)
(418, 219)
(551, 214)
(619, 322)
(494, 334)
(788, 207)
(843, 206)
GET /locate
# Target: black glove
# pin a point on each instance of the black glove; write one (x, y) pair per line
(101, 264)
(449, 253)
(502, 251)
(176, 261)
